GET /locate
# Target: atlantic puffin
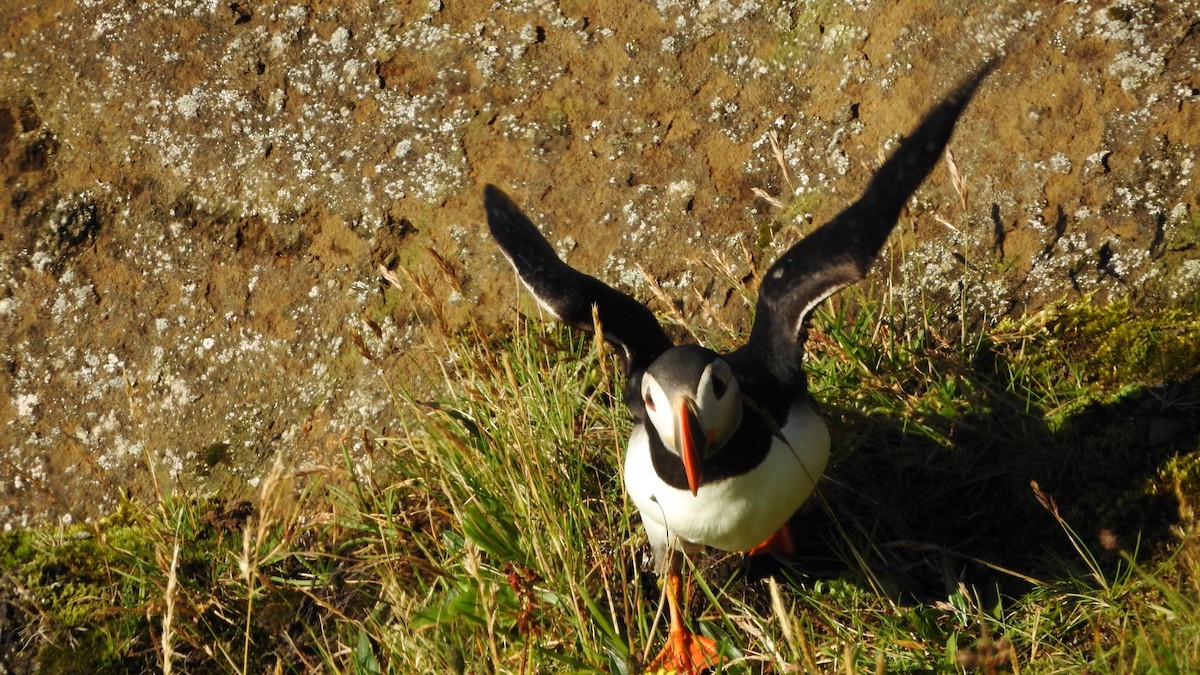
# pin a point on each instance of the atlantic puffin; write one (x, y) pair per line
(727, 447)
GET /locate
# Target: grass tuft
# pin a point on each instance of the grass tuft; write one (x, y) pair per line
(1017, 499)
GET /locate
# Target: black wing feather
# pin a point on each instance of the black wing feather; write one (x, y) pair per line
(841, 251)
(570, 294)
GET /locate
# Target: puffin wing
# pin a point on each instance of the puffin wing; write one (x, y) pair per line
(569, 294)
(841, 251)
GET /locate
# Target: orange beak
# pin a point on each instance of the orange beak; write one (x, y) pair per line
(692, 442)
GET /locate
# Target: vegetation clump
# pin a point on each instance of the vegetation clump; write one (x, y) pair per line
(1020, 499)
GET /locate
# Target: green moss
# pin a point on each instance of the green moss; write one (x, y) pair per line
(215, 454)
(91, 651)
(1113, 344)
(16, 548)
(800, 207)
(1181, 477)
(557, 118)
(1187, 233)
(92, 592)
(805, 33)
(1109, 346)
(71, 573)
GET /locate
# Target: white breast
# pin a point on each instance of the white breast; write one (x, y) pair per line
(735, 514)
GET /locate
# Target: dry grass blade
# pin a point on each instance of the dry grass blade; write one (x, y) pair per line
(1050, 505)
(391, 278)
(938, 217)
(447, 270)
(168, 625)
(956, 179)
(777, 152)
(672, 306)
(766, 196)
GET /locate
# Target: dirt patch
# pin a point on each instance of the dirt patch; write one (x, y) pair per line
(198, 198)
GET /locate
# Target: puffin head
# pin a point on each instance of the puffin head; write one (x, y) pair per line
(693, 403)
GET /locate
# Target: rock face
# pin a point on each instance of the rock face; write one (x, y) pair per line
(199, 196)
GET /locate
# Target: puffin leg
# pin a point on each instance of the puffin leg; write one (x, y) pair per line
(779, 543)
(686, 653)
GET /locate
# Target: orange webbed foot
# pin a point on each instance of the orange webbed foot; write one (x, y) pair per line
(779, 543)
(687, 653)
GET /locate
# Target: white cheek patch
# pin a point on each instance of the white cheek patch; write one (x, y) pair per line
(660, 417)
(706, 399)
(721, 416)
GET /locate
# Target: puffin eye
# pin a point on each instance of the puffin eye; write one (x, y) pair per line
(719, 387)
(649, 402)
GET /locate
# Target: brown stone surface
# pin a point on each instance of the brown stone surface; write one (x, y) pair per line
(197, 195)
